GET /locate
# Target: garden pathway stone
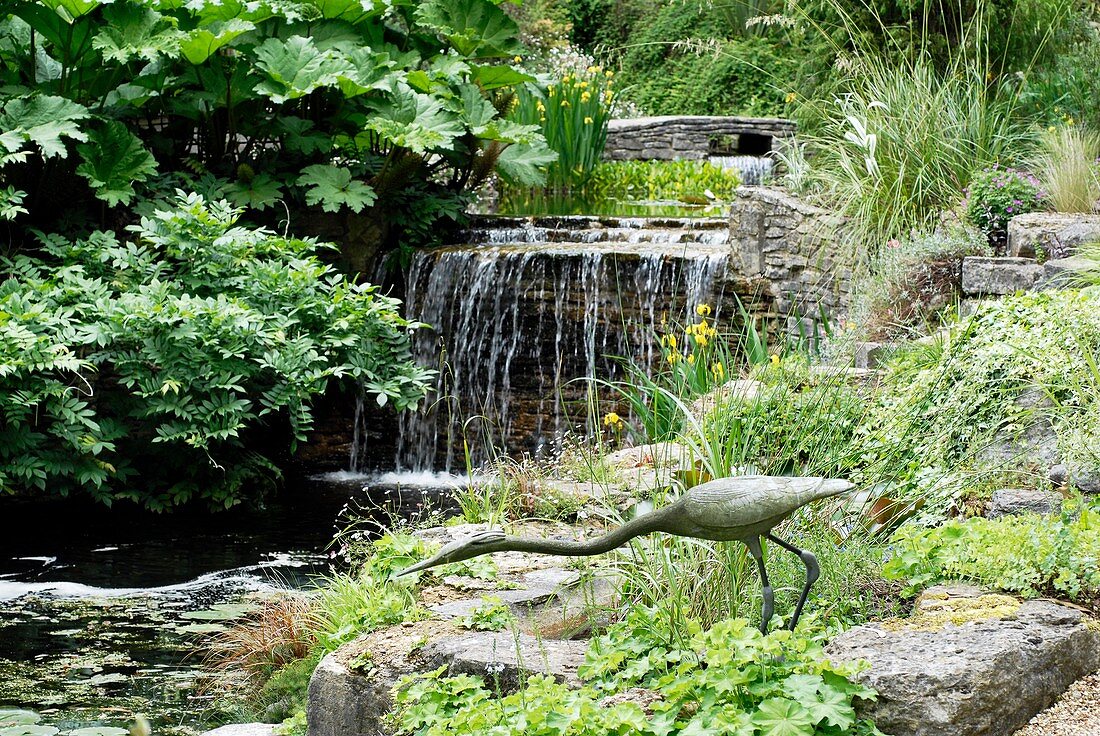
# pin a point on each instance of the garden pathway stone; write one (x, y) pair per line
(999, 276)
(986, 676)
(244, 729)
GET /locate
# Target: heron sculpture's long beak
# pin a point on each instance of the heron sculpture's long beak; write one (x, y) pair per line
(422, 565)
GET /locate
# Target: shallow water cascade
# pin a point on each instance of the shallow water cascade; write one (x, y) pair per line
(534, 309)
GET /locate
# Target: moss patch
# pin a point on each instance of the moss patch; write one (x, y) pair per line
(938, 611)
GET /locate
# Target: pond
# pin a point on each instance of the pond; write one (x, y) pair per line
(101, 611)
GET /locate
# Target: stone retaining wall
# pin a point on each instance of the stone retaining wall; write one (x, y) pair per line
(692, 137)
(794, 247)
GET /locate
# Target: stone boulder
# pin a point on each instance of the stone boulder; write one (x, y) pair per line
(970, 665)
(245, 729)
(1065, 273)
(983, 276)
(1015, 501)
(1053, 234)
(1086, 480)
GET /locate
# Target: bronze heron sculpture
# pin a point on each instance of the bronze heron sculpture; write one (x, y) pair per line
(742, 509)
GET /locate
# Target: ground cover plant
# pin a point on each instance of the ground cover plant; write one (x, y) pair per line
(152, 368)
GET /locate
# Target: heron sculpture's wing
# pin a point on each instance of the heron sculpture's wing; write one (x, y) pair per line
(750, 500)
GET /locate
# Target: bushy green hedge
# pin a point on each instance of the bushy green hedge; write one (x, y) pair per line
(151, 369)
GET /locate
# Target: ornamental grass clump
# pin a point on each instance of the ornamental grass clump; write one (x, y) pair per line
(1066, 164)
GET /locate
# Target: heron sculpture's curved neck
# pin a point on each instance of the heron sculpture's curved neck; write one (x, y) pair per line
(636, 527)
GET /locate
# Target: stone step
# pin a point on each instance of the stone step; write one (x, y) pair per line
(982, 276)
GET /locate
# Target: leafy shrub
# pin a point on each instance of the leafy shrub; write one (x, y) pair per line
(1029, 554)
(339, 105)
(997, 194)
(914, 282)
(729, 678)
(159, 370)
(1066, 165)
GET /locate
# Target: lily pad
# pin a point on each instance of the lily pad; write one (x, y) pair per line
(201, 628)
(112, 678)
(221, 612)
(13, 717)
(28, 730)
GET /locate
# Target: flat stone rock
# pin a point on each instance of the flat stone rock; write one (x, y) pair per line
(1086, 480)
(1015, 501)
(244, 729)
(984, 677)
(505, 658)
(1065, 273)
(1055, 235)
(999, 276)
(655, 455)
(869, 355)
(527, 597)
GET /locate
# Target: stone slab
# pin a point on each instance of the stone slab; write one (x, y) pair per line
(985, 677)
(982, 276)
(1015, 501)
(505, 658)
(244, 729)
(1065, 273)
(1055, 235)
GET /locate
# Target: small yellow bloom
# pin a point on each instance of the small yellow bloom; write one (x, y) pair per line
(517, 59)
(791, 97)
(703, 310)
(669, 340)
(612, 420)
(588, 120)
(673, 358)
(582, 85)
(775, 358)
(550, 91)
(539, 106)
(586, 96)
(593, 69)
(718, 370)
(701, 341)
(565, 103)
(609, 74)
(691, 359)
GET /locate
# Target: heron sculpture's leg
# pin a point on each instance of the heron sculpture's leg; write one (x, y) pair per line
(813, 572)
(753, 543)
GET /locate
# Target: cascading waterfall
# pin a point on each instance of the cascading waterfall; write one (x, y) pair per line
(754, 169)
(533, 309)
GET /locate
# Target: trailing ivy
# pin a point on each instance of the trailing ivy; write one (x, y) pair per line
(161, 369)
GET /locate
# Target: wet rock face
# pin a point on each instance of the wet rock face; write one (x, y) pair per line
(982, 677)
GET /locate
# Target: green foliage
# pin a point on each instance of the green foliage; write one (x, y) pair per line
(902, 140)
(685, 181)
(493, 614)
(346, 106)
(728, 679)
(914, 282)
(572, 114)
(688, 58)
(939, 405)
(150, 370)
(1029, 555)
(997, 194)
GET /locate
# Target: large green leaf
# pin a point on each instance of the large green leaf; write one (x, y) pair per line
(525, 163)
(70, 10)
(352, 11)
(296, 67)
(259, 193)
(333, 187)
(136, 32)
(783, 717)
(202, 42)
(114, 158)
(42, 120)
(476, 28)
(367, 71)
(417, 122)
(498, 75)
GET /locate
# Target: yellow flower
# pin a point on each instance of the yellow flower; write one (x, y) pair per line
(517, 59)
(609, 74)
(691, 359)
(565, 103)
(669, 340)
(673, 358)
(586, 96)
(539, 106)
(718, 370)
(588, 120)
(582, 85)
(701, 341)
(607, 97)
(593, 69)
(775, 358)
(703, 310)
(612, 420)
(791, 97)
(550, 91)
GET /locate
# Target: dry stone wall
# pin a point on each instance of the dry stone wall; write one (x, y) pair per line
(793, 247)
(692, 137)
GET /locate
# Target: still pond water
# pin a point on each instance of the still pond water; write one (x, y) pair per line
(101, 612)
